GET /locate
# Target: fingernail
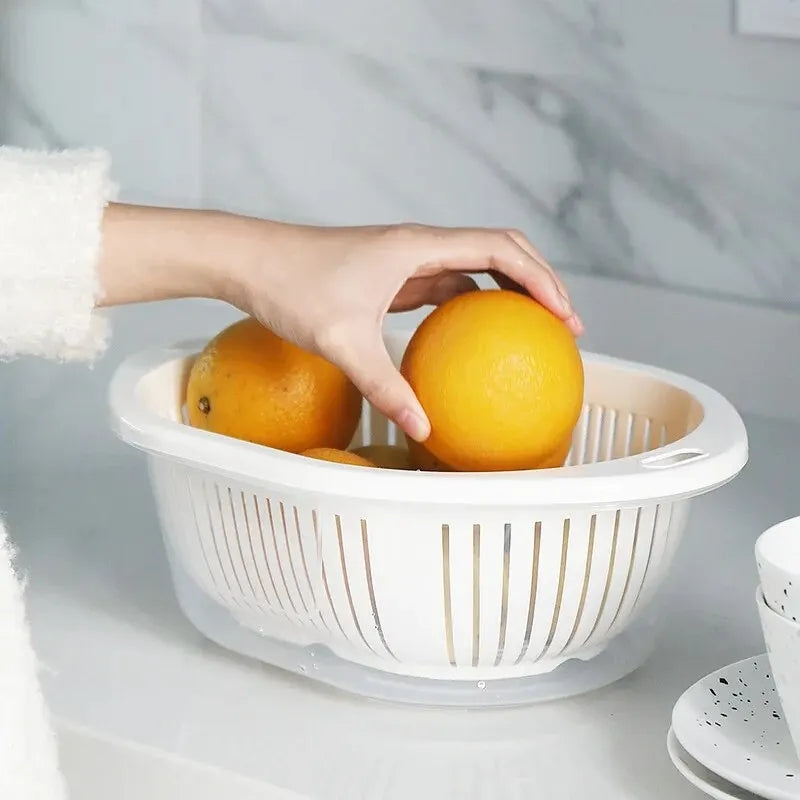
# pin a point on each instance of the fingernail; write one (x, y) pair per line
(579, 326)
(565, 303)
(415, 425)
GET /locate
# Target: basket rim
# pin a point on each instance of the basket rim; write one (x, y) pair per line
(716, 451)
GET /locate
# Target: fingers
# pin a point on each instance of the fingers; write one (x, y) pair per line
(431, 290)
(384, 387)
(504, 282)
(572, 320)
(366, 362)
(498, 252)
(477, 250)
(522, 241)
(575, 323)
(449, 285)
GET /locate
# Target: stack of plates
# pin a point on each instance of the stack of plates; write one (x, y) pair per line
(729, 737)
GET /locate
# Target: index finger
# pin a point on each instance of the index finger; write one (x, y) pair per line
(526, 245)
(496, 251)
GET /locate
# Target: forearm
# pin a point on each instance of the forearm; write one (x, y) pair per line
(161, 253)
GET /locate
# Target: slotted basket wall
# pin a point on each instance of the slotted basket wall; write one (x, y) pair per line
(429, 577)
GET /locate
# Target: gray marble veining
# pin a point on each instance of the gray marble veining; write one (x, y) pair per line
(638, 184)
(72, 75)
(640, 140)
(678, 45)
(613, 136)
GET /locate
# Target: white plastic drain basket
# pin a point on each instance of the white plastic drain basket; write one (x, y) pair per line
(467, 589)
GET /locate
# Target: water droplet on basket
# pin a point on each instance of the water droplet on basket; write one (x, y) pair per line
(481, 684)
(311, 653)
(302, 668)
(315, 666)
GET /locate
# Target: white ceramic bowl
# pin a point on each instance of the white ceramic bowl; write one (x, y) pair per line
(782, 637)
(778, 560)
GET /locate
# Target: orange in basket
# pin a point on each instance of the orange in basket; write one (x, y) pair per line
(501, 379)
(250, 384)
(386, 456)
(338, 456)
(423, 459)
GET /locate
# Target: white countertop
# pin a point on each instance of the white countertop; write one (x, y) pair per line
(148, 709)
(123, 666)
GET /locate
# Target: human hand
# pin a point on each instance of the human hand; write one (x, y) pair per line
(329, 290)
(325, 289)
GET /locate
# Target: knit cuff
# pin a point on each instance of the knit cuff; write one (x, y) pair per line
(51, 210)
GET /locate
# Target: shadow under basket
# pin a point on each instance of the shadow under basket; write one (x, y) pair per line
(459, 589)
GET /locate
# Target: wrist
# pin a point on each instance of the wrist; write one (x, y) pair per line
(232, 251)
(250, 258)
(212, 249)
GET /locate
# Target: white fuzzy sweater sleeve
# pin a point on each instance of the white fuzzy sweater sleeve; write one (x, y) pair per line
(51, 207)
(28, 758)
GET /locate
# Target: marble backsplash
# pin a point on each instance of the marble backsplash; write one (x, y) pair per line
(639, 139)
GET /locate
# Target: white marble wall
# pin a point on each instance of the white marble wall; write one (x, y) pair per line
(632, 138)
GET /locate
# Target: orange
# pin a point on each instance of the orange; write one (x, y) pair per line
(426, 462)
(251, 384)
(423, 459)
(339, 456)
(557, 457)
(501, 379)
(386, 456)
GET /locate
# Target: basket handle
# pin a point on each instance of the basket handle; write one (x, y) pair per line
(673, 458)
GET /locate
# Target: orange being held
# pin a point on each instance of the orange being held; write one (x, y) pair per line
(501, 380)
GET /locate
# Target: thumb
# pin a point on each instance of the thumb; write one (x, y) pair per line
(373, 372)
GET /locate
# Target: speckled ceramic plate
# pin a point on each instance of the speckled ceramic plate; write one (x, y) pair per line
(702, 778)
(731, 722)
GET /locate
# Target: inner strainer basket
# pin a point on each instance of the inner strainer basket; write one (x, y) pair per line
(409, 585)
